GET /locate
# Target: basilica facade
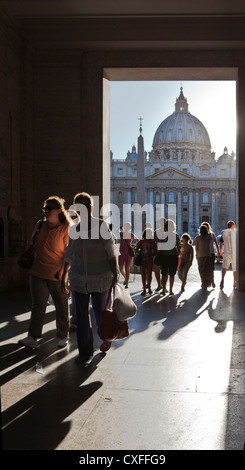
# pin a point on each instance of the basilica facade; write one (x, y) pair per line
(180, 171)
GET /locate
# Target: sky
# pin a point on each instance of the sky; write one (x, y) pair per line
(212, 102)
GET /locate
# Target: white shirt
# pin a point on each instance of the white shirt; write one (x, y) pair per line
(89, 259)
(229, 237)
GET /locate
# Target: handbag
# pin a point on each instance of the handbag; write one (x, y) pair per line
(27, 258)
(111, 329)
(139, 256)
(158, 259)
(123, 305)
(131, 251)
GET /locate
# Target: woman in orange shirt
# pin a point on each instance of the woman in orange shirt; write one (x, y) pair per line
(46, 272)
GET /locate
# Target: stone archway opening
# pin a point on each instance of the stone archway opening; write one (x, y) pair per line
(166, 74)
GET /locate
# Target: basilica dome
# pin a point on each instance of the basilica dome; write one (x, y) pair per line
(181, 128)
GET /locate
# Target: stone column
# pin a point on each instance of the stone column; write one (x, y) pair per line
(141, 172)
(213, 221)
(95, 151)
(150, 208)
(240, 219)
(179, 213)
(233, 205)
(163, 208)
(197, 217)
(191, 213)
(127, 206)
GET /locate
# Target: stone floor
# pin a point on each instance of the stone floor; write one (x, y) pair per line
(176, 383)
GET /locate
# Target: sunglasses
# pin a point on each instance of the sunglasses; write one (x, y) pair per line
(49, 208)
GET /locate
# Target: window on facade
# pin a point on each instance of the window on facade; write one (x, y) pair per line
(120, 171)
(185, 197)
(134, 195)
(185, 226)
(223, 198)
(120, 196)
(157, 198)
(171, 197)
(223, 172)
(205, 197)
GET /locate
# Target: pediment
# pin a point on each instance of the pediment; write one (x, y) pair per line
(170, 173)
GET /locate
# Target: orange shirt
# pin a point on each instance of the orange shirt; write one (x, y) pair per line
(50, 244)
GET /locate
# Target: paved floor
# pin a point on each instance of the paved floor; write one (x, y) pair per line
(177, 383)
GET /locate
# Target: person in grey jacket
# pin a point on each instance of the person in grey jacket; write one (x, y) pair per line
(90, 260)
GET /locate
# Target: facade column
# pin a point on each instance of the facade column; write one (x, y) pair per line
(233, 205)
(213, 221)
(179, 213)
(127, 206)
(163, 208)
(191, 220)
(197, 218)
(150, 208)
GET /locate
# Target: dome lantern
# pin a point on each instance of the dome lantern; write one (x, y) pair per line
(181, 105)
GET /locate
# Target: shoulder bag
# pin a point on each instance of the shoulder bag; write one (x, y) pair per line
(27, 258)
(111, 329)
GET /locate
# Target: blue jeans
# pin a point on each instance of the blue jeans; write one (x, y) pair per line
(73, 310)
(84, 326)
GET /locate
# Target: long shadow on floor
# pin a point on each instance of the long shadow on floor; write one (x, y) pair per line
(36, 422)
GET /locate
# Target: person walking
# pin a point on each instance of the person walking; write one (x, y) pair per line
(213, 243)
(228, 240)
(204, 258)
(159, 235)
(46, 272)
(169, 259)
(148, 245)
(125, 259)
(186, 258)
(90, 263)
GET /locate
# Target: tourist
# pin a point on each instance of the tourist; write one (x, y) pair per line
(148, 246)
(159, 236)
(46, 272)
(213, 244)
(91, 263)
(185, 259)
(228, 239)
(125, 259)
(204, 258)
(169, 261)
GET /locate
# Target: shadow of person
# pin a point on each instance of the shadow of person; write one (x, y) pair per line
(37, 421)
(179, 313)
(16, 359)
(219, 312)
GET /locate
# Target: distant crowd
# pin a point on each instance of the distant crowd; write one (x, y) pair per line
(165, 263)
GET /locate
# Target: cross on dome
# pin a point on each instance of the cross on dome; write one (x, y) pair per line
(140, 119)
